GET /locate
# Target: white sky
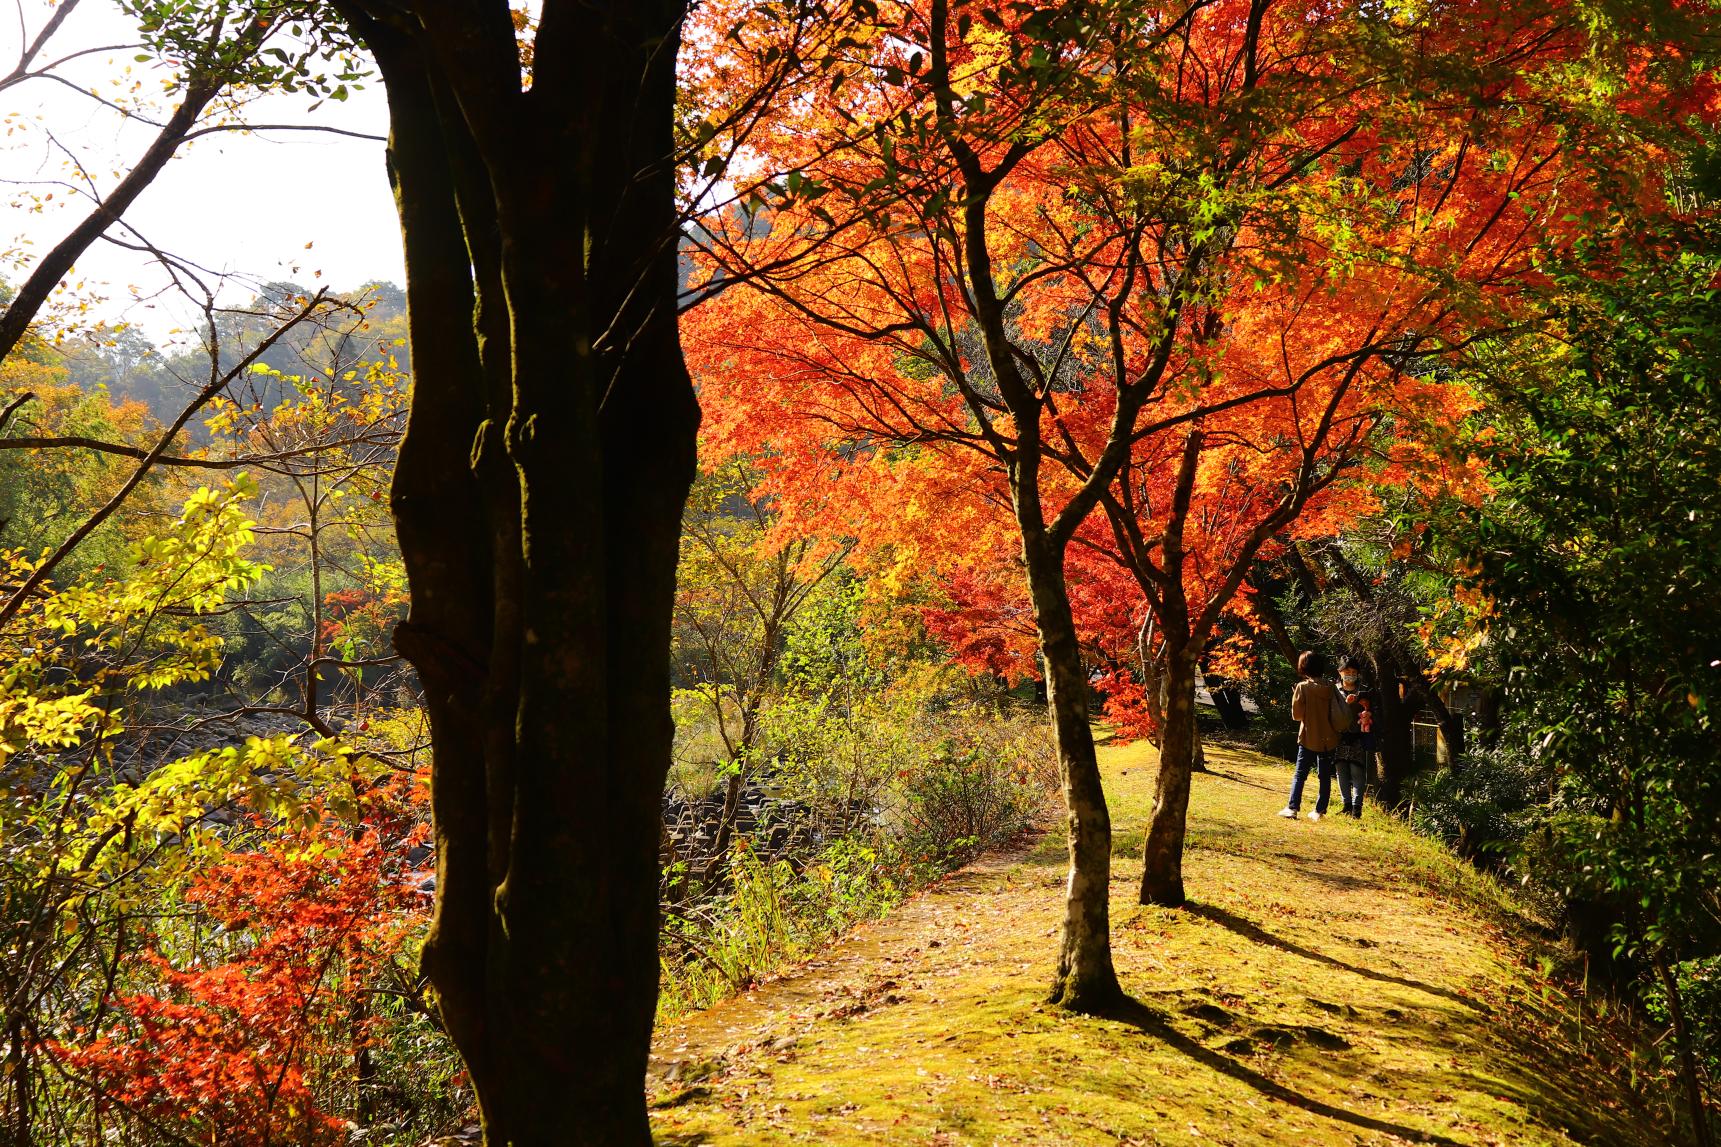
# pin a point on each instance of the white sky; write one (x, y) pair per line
(246, 204)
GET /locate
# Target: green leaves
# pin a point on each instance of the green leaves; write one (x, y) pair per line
(1601, 558)
(186, 571)
(73, 657)
(222, 45)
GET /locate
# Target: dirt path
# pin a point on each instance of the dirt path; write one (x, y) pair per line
(1338, 983)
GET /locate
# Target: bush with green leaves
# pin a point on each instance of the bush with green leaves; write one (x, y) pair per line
(1485, 805)
(1595, 571)
(881, 769)
(975, 792)
(1699, 985)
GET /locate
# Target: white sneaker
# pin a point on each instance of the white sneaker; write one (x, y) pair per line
(1288, 813)
(1314, 816)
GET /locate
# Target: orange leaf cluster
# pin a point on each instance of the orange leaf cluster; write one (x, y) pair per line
(230, 1044)
(1239, 242)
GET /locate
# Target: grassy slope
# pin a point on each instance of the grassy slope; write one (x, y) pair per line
(1338, 983)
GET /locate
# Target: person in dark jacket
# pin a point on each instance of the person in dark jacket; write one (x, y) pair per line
(1356, 744)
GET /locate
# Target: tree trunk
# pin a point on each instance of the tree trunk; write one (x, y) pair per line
(1228, 703)
(1085, 980)
(538, 501)
(718, 861)
(1162, 859)
(1268, 611)
(1392, 733)
(1153, 686)
(1488, 714)
(1449, 723)
(1687, 1059)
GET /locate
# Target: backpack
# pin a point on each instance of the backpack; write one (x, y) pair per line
(1337, 711)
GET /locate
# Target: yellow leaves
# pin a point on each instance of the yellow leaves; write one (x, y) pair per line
(35, 722)
(1453, 654)
(189, 569)
(991, 49)
(1458, 626)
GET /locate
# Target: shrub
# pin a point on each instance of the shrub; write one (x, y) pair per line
(1699, 983)
(882, 789)
(1484, 805)
(774, 913)
(975, 793)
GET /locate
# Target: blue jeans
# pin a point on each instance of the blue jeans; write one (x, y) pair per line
(1353, 775)
(1322, 763)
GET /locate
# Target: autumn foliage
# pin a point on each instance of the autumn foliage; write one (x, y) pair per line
(248, 1040)
(1156, 285)
(1305, 208)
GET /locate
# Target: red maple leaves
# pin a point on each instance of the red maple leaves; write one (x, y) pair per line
(258, 1017)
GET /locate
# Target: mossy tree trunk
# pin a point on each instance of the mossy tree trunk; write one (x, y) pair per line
(1159, 571)
(538, 502)
(1392, 732)
(1162, 856)
(1162, 859)
(1085, 980)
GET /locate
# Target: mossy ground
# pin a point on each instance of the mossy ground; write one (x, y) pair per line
(1332, 983)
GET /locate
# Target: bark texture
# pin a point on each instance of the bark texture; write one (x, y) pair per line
(538, 502)
(1085, 980)
(1162, 860)
(1392, 732)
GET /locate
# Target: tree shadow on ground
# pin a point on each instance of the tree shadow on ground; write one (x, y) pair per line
(1347, 881)
(1157, 1024)
(1259, 935)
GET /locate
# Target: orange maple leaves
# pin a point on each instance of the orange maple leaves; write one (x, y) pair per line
(232, 1044)
(1294, 213)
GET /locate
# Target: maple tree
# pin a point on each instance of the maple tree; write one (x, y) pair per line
(91, 838)
(1177, 263)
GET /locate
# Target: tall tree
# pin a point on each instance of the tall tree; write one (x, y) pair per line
(1593, 571)
(1103, 256)
(538, 500)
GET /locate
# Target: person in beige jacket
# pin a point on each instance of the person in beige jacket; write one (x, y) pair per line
(1317, 738)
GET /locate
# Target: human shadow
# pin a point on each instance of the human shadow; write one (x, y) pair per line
(1237, 779)
(1259, 935)
(1345, 880)
(1157, 1024)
